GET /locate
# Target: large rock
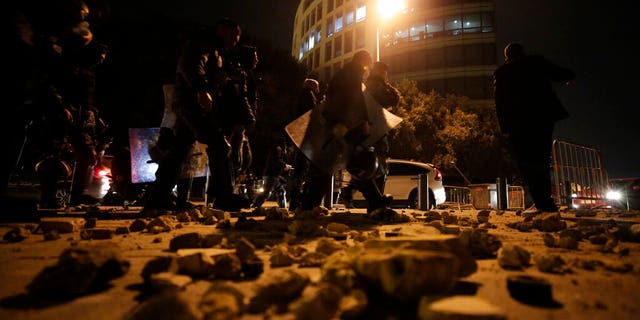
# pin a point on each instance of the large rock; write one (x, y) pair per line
(407, 274)
(432, 242)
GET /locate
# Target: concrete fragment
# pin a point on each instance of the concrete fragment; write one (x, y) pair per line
(459, 308)
(318, 303)
(16, 234)
(513, 256)
(62, 225)
(407, 274)
(168, 281)
(80, 270)
(432, 242)
(221, 302)
(277, 286)
(169, 305)
(186, 240)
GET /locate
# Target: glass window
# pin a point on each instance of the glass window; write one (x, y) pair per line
(300, 54)
(319, 13)
(472, 23)
(434, 26)
(487, 22)
(337, 46)
(339, 20)
(417, 31)
(329, 27)
(453, 25)
(312, 42)
(338, 3)
(348, 41)
(318, 35)
(329, 6)
(349, 18)
(360, 37)
(400, 35)
(361, 13)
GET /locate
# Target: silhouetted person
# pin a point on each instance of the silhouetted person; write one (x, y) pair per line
(206, 102)
(241, 155)
(308, 99)
(528, 108)
(347, 118)
(274, 180)
(378, 86)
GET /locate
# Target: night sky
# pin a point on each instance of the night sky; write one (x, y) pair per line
(587, 36)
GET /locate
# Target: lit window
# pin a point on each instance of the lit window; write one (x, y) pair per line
(329, 27)
(349, 17)
(361, 13)
(338, 24)
(311, 41)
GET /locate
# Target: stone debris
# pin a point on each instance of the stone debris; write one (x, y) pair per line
(318, 303)
(530, 290)
(168, 281)
(360, 271)
(222, 301)
(162, 223)
(138, 225)
(406, 274)
(16, 234)
(551, 263)
(80, 270)
(187, 240)
(168, 305)
(459, 308)
(513, 256)
(277, 287)
(62, 225)
(96, 234)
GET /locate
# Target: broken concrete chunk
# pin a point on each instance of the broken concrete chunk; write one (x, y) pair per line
(460, 308)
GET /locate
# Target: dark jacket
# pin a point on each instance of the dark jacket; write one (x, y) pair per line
(383, 92)
(345, 103)
(524, 94)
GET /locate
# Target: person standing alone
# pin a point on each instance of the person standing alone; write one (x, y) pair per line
(527, 108)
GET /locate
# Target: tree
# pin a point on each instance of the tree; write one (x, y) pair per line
(448, 130)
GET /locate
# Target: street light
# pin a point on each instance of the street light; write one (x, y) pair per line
(387, 9)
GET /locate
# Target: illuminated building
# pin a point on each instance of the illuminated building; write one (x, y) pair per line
(444, 45)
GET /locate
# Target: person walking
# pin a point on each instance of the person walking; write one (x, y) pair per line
(378, 86)
(205, 113)
(307, 100)
(527, 108)
(274, 180)
(348, 120)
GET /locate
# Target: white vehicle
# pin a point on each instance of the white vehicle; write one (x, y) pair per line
(402, 183)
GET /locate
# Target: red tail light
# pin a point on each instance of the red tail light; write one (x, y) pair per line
(101, 172)
(438, 176)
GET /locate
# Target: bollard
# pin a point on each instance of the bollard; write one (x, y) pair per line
(423, 192)
(501, 186)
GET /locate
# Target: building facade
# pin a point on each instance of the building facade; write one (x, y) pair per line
(444, 45)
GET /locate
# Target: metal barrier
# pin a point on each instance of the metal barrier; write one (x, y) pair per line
(578, 177)
(515, 198)
(485, 196)
(458, 194)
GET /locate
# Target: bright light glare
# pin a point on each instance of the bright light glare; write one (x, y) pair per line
(614, 195)
(389, 8)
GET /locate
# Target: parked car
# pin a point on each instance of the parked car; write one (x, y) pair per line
(402, 184)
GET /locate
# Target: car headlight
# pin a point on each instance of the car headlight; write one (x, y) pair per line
(614, 195)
